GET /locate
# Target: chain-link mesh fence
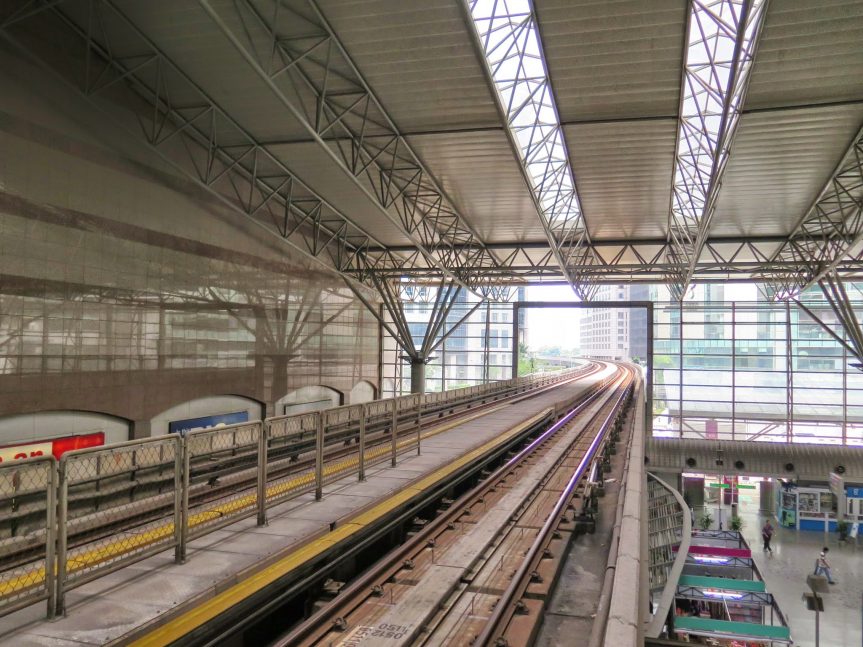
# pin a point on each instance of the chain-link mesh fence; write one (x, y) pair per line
(291, 452)
(117, 504)
(27, 532)
(221, 475)
(379, 426)
(341, 436)
(121, 503)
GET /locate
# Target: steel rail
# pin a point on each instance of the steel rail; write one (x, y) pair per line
(505, 608)
(284, 465)
(355, 595)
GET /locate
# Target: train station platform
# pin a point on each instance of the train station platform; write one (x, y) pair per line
(156, 601)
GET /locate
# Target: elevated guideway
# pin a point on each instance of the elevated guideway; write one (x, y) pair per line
(229, 572)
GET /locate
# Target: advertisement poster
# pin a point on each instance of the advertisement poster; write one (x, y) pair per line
(205, 422)
(56, 446)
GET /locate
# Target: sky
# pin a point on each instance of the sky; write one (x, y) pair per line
(560, 327)
(551, 327)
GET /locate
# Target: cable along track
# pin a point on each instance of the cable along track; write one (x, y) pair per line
(490, 560)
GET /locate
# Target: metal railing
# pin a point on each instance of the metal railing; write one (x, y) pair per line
(99, 509)
(207, 450)
(28, 492)
(140, 480)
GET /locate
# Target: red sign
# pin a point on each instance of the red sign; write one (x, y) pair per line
(55, 446)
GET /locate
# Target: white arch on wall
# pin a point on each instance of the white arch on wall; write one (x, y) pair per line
(308, 398)
(363, 391)
(214, 405)
(43, 425)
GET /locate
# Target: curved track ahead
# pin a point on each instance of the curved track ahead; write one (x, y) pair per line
(480, 572)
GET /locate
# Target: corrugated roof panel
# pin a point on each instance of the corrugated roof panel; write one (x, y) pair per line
(623, 174)
(311, 163)
(809, 53)
(779, 163)
(418, 59)
(189, 38)
(613, 58)
(478, 171)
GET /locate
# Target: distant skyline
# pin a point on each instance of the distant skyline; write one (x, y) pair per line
(553, 327)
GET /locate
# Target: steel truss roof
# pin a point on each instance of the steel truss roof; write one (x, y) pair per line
(291, 47)
(829, 232)
(508, 38)
(288, 52)
(721, 42)
(180, 122)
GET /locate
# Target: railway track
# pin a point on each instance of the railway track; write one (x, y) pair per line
(227, 474)
(479, 574)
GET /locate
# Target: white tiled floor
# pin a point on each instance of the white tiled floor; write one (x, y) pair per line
(785, 571)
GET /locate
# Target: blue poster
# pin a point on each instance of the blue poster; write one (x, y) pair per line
(182, 426)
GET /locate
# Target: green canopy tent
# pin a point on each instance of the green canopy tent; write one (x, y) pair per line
(725, 629)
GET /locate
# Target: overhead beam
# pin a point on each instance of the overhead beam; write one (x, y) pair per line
(592, 121)
(616, 242)
(293, 50)
(730, 258)
(829, 233)
(722, 36)
(194, 135)
(510, 49)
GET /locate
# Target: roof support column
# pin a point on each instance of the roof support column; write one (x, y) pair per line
(834, 292)
(418, 348)
(418, 376)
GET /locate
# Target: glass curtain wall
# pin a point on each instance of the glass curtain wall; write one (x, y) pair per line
(754, 370)
(728, 364)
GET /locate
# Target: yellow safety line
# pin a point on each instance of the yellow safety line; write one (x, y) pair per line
(118, 547)
(206, 611)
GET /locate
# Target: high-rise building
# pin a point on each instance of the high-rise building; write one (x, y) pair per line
(605, 332)
(638, 321)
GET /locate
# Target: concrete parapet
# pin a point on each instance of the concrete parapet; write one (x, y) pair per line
(624, 624)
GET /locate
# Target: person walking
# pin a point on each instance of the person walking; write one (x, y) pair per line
(767, 535)
(822, 566)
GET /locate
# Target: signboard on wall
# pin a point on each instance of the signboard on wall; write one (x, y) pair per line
(711, 429)
(55, 446)
(837, 486)
(205, 422)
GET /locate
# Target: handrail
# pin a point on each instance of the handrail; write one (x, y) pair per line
(667, 598)
(630, 485)
(518, 582)
(133, 497)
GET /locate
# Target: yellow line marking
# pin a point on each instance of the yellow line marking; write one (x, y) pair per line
(206, 611)
(35, 577)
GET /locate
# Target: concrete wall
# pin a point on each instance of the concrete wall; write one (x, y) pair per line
(308, 398)
(127, 289)
(29, 427)
(202, 407)
(362, 392)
